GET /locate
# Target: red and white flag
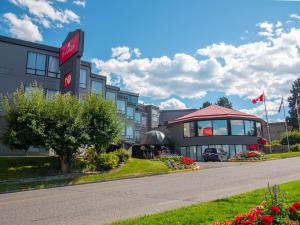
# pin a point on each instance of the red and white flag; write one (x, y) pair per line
(258, 99)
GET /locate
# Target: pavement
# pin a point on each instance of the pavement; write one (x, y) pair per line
(100, 203)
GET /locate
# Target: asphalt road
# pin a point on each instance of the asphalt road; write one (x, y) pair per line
(98, 203)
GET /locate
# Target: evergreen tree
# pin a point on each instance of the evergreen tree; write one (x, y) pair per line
(224, 102)
(295, 94)
(205, 104)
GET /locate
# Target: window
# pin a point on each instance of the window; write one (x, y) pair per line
(36, 63)
(189, 129)
(183, 151)
(237, 127)
(28, 91)
(123, 131)
(232, 151)
(137, 117)
(83, 77)
(133, 99)
(137, 135)
(121, 106)
(226, 149)
(238, 149)
(50, 93)
(144, 121)
(199, 153)
(205, 128)
(220, 127)
(130, 112)
(249, 128)
(53, 67)
(154, 118)
(111, 96)
(97, 87)
(129, 132)
(193, 152)
(258, 129)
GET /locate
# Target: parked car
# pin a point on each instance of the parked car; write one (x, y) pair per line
(214, 154)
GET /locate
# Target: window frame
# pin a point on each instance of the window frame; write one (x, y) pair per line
(35, 64)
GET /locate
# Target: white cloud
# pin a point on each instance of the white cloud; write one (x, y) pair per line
(80, 3)
(44, 10)
(267, 29)
(172, 103)
(23, 28)
(121, 53)
(295, 16)
(137, 52)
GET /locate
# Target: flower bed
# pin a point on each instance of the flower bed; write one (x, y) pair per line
(249, 156)
(272, 211)
(178, 162)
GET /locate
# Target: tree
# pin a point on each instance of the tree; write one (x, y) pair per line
(23, 115)
(102, 122)
(223, 101)
(205, 104)
(65, 130)
(295, 92)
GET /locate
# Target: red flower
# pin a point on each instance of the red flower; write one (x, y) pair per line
(186, 160)
(275, 209)
(292, 209)
(297, 205)
(267, 220)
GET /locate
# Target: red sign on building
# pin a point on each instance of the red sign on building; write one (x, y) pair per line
(69, 48)
(67, 80)
(207, 131)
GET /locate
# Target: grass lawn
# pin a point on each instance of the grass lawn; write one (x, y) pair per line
(134, 167)
(282, 155)
(220, 210)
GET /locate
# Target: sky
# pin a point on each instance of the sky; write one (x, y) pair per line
(176, 53)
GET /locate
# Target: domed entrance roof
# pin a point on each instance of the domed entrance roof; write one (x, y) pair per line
(154, 137)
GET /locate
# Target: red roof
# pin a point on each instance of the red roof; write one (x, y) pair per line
(215, 112)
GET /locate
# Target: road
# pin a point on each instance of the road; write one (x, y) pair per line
(99, 203)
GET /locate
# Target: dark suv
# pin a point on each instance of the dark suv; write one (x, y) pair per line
(214, 154)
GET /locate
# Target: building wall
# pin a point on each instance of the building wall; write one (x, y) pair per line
(276, 130)
(169, 115)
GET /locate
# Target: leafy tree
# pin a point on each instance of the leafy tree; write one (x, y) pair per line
(205, 104)
(295, 92)
(23, 115)
(65, 130)
(102, 122)
(224, 101)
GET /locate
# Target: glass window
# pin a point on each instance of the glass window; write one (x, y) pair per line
(36, 63)
(129, 132)
(121, 106)
(220, 127)
(111, 96)
(97, 87)
(193, 152)
(199, 153)
(137, 135)
(137, 117)
(232, 151)
(189, 129)
(238, 149)
(226, 149)
(205, 128)
(83, 77)
(154, 118)
(183, 151)
(130, 112)
(258, 129)
(53, 67)
(123, 131)
(204, 147)
(50, 93)
(249, 128)
(133, 99)
(28, 91)
(144, 121)
(237, 127)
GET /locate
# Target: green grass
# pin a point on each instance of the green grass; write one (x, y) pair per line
(282, 155)
(134, 167)
(25, 167)
(220, 210)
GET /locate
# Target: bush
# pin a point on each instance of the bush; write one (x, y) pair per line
(178, 162)
(122, 154)
(294, 138)
(250, 155)
(295, 148)
(107, 161)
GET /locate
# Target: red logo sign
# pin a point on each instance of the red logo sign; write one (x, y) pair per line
(69, 48)
(207, 131)
(253, 146)
(67, 80)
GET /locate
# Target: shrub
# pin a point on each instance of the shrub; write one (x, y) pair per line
(122, 154)
(294, 138)
(250, 155)
(178, 162)
(107, 161)
(295, 148)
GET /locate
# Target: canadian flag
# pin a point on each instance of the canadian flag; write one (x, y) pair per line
(258, 99)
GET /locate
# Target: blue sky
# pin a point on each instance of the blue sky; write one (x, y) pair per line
(175, 53)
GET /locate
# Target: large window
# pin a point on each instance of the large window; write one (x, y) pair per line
(129, 132)
(144, 121)
(137, 135)
(249, 127)
(50, 93)
(53, 67)
(36, 64)
(258, 129)
(83, 77)
(130, 112)
(205, 128)
(111, 96)
(189, 129)
(220, 127)
(121, 106)
(133, 99)
(137, 117)
(154, 117)
(237, 127)
(97, 87)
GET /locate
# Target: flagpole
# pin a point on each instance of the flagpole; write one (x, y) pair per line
(268, 127)
(285, 123)
(297, 113)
